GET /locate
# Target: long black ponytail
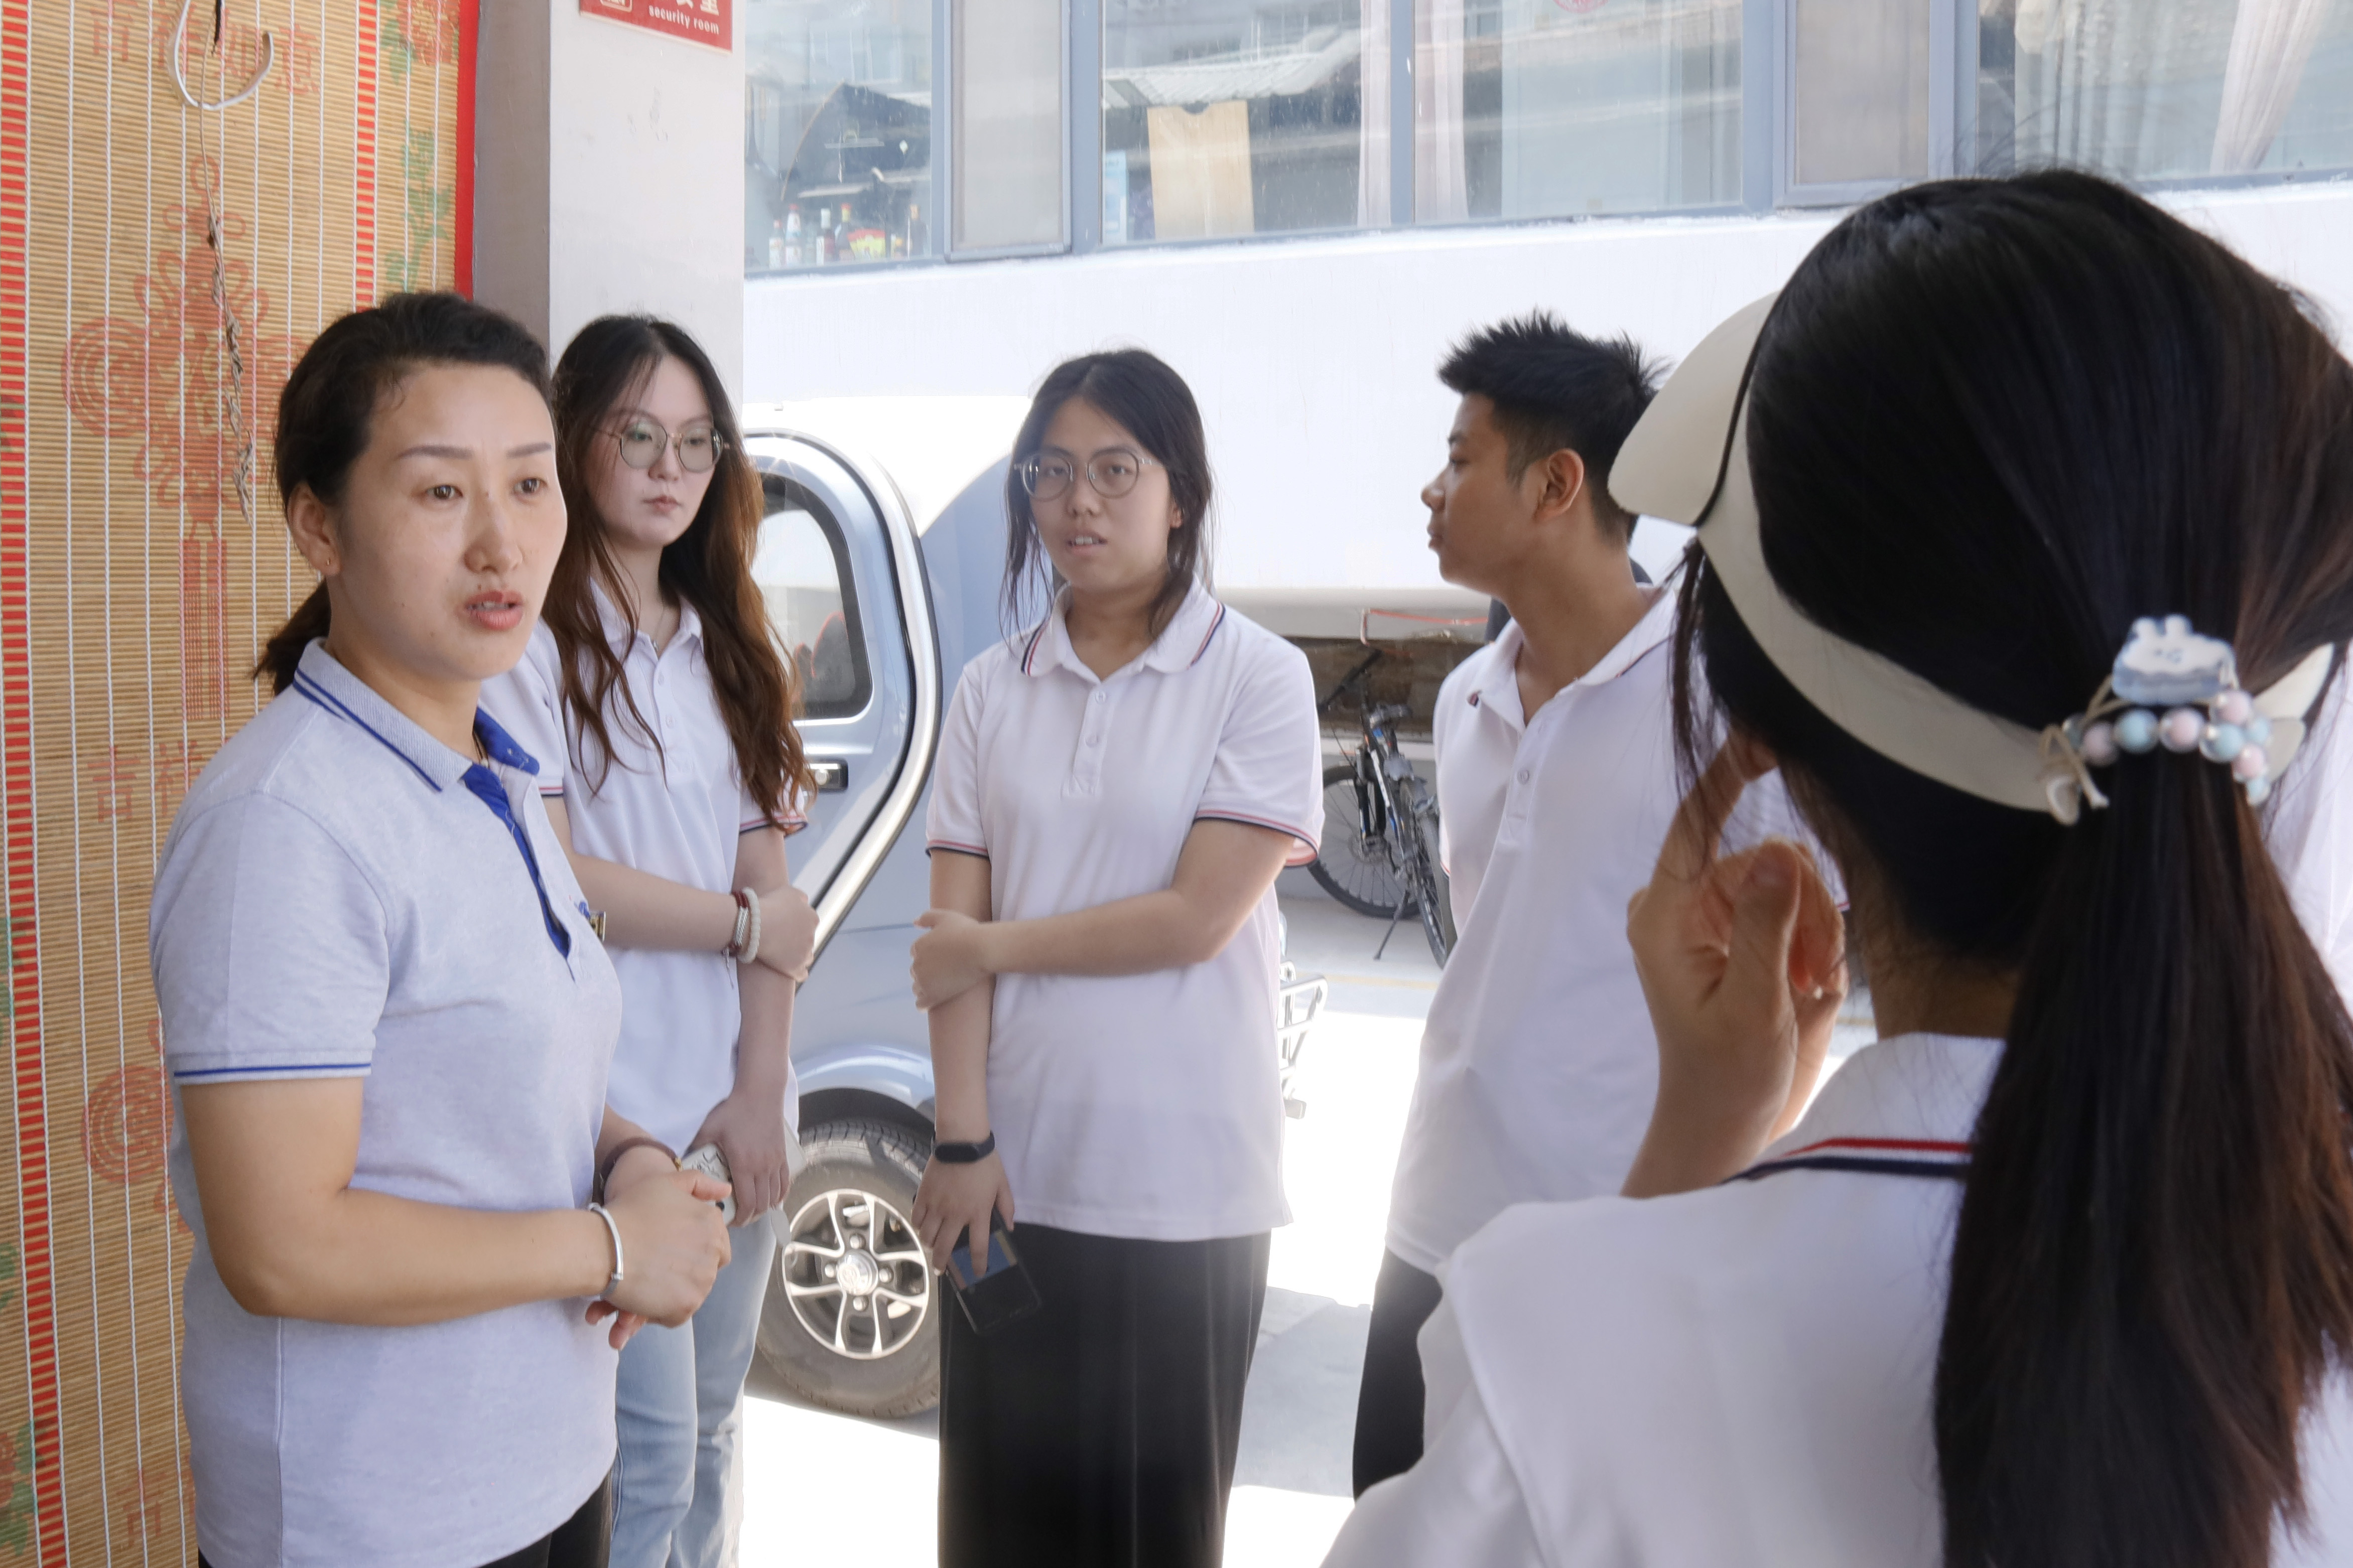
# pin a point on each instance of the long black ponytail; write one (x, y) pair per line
(1991, 424)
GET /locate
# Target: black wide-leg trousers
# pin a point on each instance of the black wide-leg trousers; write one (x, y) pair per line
(1100, 1431)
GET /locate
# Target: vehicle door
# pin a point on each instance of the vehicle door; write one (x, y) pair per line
(836, 563)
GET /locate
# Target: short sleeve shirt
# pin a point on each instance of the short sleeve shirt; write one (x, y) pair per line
(1476, 726)
(1539, 1065)
(1741, 1374)
(1143, 1106)
(676, 813)
(339, 899)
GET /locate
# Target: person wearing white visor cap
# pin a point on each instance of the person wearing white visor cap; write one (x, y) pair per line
(2025, 515)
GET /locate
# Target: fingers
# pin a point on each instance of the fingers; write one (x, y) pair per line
(708, 1188)
(1699, 822)
(1764, 925)
(928, 919)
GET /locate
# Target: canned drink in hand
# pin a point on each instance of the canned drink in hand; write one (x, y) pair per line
(707, 1159)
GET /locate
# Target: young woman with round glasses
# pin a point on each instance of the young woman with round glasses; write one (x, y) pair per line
(389, 1021)
(2060, 1271)
(654, 688)
(1117, 788)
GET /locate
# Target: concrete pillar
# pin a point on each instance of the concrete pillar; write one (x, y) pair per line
(609, 174)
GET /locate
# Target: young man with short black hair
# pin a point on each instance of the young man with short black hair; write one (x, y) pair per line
(1555, 784)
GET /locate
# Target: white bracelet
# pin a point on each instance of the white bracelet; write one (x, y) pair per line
(752, 943)
(614, 1230)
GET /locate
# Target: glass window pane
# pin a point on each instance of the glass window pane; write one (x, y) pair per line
(1008, 115)
(1861, 90)
(836, 132)
(1229, 117)
(1564, 108)
(799, 576)
(2144, 90)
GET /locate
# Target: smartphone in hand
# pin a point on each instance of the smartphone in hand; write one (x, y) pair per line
(1004, 1294)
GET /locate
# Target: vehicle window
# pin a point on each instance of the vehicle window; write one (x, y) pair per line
(812, 605)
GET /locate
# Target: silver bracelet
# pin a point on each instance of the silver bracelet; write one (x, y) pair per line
(614, 1230)
(743, 928)
(752, 943)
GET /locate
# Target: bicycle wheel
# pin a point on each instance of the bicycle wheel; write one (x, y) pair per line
(1354, 869)
(1429, 894)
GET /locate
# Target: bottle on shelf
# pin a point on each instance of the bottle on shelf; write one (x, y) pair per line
(917, 238)
(793, 253)
(828, 242)
(776, 248)
(849, 223)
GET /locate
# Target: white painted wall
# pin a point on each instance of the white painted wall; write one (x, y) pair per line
(609, 175)
(1314, 358)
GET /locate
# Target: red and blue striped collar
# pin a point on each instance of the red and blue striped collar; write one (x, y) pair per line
(1870, 1157)
(1902, 1107)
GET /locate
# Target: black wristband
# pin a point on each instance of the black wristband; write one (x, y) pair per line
(964, 1153)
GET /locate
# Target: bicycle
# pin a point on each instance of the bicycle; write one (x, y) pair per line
(1380, 835)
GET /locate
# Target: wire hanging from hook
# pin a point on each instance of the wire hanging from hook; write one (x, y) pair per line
(179, 72)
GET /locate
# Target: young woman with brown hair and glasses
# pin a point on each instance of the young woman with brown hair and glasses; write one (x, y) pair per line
(656, 692)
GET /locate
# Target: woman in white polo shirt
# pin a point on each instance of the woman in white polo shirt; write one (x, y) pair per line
(654, 688)
(1116, 789)
(2060, 1271)
(387, 1020)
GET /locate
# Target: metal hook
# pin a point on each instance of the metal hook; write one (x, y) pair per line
(179, 77)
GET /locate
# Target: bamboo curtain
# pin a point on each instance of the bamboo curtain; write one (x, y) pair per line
(161, 268)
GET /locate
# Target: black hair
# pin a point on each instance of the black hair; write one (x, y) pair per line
(1991, 424)
(608, 362)
(326, 414)
(1141, 394)
(1555, 389)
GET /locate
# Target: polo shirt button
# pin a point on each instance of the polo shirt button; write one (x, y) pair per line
(1094, 740)
(1099, 696)
(1524, 775)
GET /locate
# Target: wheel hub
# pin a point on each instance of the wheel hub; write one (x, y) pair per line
(855, 1274)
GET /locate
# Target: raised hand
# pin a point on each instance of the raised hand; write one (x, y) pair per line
(1743, 962)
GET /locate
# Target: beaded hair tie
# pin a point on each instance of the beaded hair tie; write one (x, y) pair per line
(2171, 686)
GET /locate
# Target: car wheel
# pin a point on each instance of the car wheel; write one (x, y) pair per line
(851, 1319)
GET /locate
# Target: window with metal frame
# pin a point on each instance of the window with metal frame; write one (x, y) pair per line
(802, 567)
(837, 134)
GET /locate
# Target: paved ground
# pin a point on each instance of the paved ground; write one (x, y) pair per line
(820, 1484)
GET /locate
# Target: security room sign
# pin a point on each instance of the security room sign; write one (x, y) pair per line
(707, 22)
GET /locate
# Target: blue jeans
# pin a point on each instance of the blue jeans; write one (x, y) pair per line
(678, 1492)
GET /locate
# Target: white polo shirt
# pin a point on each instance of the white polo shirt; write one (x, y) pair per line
(340, 898)
(1538, 1066)
(677, 814)
(1476, 727)
(1143, 1106)
(1744, 1374)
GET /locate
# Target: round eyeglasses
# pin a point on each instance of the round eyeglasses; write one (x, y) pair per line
(1048, 475)
(643, 442)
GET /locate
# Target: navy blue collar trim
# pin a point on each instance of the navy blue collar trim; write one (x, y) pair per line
(495, 740)
(1950, 1171)
(335, 705)
(501, 746)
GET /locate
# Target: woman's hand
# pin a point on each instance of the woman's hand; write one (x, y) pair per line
(1743, 962)
(955, 1202)
(673, 1242)
(949, 962)
(787, 933)
(749, 1128)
